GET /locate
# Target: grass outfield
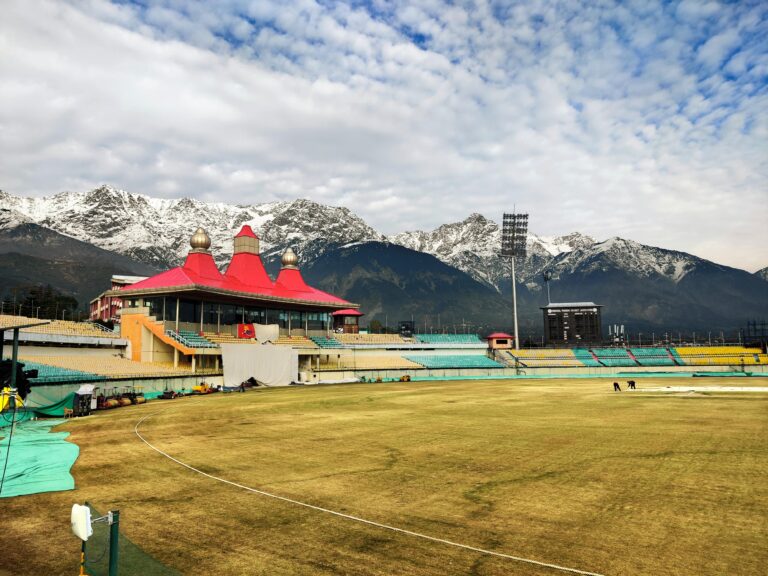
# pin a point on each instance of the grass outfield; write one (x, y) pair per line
(564, 472)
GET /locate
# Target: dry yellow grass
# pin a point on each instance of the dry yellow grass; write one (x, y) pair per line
(560, 471)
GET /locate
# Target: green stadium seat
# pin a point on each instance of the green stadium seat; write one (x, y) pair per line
(453, 361)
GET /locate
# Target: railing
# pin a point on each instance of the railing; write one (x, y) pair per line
(189, 343)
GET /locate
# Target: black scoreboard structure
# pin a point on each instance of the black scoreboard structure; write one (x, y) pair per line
(572, 323)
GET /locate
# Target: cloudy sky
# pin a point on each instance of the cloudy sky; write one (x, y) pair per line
(639, 119)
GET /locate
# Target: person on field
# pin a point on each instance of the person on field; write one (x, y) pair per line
(631, 384)
(616, 387)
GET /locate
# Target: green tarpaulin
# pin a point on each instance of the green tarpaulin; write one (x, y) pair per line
(57, 408)
(39, 460)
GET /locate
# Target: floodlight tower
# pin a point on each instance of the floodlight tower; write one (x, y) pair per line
(514, 234)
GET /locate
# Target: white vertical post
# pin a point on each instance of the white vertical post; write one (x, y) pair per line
(514, 304)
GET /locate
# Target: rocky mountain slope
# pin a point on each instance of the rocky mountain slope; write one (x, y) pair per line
(31, 255)
(454, 269)
(763, 273)
(156, 231)
(473, 247)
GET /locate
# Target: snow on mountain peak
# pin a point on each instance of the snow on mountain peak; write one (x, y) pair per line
(628, 255)
(156, 231)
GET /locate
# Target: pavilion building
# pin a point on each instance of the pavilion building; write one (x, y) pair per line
(167, 317)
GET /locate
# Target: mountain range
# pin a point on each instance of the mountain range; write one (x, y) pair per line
(452, 275)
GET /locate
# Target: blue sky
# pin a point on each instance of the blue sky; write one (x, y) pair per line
(645, 120)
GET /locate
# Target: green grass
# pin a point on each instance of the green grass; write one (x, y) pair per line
(565, 472)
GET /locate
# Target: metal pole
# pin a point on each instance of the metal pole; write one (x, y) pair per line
(514, 303)
(82, 559)
(114, 541)
(14, 357)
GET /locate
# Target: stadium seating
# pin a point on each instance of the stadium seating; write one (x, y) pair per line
(453, 361)
(448, 338)
(613, 357)
(227, 338)
(324, 342)
(652, 356)
(85, 367)
(370, 339)
(47, 374)
(370, 363)
(59, 327)
(544, 357)
(720, 355)
(191, 339)
(295, 341)
(585, 357)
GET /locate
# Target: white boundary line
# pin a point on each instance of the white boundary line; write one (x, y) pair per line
(355, 518)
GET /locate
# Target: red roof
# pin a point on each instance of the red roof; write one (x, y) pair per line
(291, 284)
(248, 269)
(496, 335)
(245, 274)
(347, 312)
(246, 231)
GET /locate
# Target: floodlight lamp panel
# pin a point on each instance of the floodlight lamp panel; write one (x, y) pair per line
(81, 522)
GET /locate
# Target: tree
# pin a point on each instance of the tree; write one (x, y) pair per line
(44, 301)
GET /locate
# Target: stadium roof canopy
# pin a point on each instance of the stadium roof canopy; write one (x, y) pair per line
(245, 278)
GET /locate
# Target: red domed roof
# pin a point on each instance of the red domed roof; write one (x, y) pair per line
(246, 231)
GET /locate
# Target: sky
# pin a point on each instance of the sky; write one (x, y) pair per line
(640, 119)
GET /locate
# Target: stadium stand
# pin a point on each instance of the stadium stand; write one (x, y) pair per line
(371, 363)
(102, 367)
(370, 339)
(453, 361)
(47, 374)
(613, 357)
(544, 357)
(191, 339)
(586, 357)
(295, 341)
(227, 338)
(59, 327)
(324, 342)
(720, 355)
(448, 338)
(653, 356)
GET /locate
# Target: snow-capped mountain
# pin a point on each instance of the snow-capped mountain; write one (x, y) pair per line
(473, 247)
(762, 273)
(393, 277)
(644, 261)
(156, 231)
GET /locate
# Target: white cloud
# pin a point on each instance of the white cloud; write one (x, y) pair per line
(636, 119)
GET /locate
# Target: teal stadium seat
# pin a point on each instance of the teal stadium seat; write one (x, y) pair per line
(453, 361)
(652, 356)
(583, 355)
(49, 374)
(194, 340)
(325, 342)
(614, 357)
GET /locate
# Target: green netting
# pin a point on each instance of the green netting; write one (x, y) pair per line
(132, 560)
(39, 460)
